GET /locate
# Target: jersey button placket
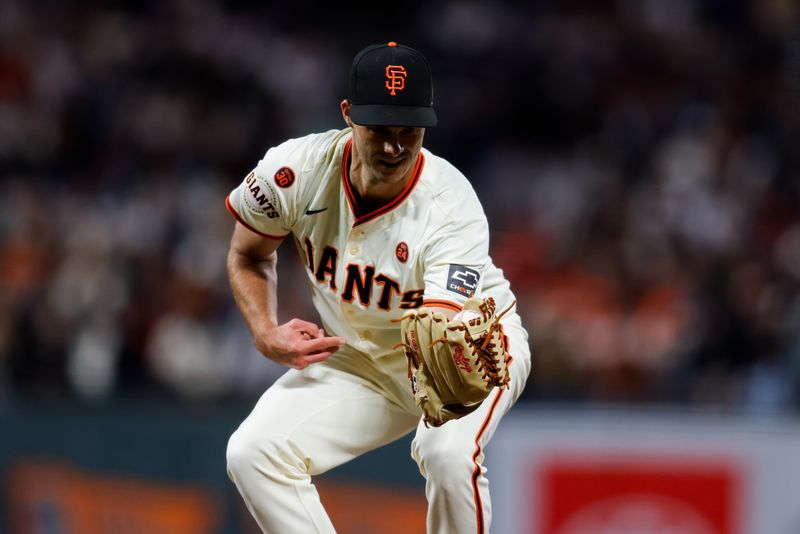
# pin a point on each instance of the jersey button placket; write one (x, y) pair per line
(351, 249)
(353, 242)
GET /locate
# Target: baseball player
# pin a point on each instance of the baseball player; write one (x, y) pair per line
(384, 227)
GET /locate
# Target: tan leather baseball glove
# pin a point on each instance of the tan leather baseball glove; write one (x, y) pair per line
(454, 365)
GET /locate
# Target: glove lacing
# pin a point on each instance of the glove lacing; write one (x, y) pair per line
(486, 352)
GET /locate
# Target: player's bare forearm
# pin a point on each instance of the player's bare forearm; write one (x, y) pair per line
(254, 282)
(252, 271)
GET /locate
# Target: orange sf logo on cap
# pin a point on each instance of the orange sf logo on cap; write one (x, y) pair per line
(395, 78)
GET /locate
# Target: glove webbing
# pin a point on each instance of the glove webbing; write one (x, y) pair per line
(486, 352)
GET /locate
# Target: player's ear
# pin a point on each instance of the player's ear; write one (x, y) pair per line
(345, 107)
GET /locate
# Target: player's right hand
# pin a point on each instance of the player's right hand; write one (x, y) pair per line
(297, 344)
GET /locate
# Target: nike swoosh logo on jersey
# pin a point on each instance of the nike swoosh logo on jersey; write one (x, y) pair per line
(312, 212)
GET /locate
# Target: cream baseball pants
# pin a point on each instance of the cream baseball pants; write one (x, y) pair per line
(313, 420)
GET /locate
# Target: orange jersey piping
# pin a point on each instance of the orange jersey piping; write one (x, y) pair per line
(243, 223)
(396, 201)
(436, 303)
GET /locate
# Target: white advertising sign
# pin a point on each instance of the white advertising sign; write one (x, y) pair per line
(589, 472)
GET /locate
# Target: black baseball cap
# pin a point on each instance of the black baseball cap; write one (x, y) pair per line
(391, 85)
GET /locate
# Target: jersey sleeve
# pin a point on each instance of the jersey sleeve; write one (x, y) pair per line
(455, 263)
(266, 200)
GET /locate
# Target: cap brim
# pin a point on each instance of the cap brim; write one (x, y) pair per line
(382, 115)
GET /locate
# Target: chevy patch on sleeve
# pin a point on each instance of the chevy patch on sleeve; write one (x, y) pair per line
(462, 280)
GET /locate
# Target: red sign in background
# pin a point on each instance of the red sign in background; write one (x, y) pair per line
(623, 495)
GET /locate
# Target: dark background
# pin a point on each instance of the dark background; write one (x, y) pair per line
(637, 161)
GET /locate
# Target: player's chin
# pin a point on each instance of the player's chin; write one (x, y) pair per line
(391, 169)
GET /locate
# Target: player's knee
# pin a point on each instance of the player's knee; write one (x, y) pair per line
(251, 453)
(246, 453)
(239, 454)
(444, 460)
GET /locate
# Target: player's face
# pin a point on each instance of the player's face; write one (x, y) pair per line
(388, 152)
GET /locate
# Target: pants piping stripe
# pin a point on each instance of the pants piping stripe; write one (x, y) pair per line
(476, 473)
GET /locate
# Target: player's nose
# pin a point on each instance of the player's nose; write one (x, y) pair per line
(393, 147)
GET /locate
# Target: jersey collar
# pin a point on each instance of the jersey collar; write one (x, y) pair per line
(360, 216)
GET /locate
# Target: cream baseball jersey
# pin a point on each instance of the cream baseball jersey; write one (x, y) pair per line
(429, 245)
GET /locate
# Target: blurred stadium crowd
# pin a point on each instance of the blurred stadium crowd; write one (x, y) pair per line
(638, 162)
